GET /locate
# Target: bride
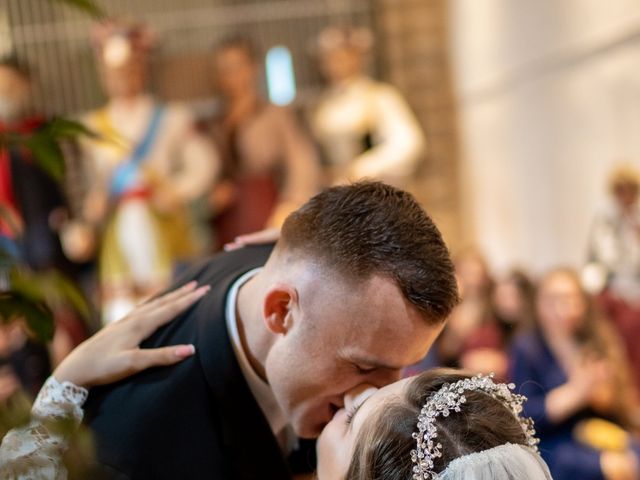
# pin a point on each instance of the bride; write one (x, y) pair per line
(442, 424)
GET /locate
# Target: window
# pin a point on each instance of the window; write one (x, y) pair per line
(281, 82)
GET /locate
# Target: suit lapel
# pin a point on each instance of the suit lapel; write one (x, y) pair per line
(250, 447)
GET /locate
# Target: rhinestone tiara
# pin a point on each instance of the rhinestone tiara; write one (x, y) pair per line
(449, 399)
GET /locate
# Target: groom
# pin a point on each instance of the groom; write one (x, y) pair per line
(357, 287)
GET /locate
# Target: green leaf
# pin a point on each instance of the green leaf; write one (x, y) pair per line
(87, 6)
(66, 291)
(39, 319)
(44, 143)
(33, 295)
(47, 154)
(15, 412)
(28, 285)
(50, 287)
(80, 457)
(60, 127)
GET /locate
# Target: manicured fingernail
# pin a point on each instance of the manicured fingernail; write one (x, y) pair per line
(204, 289)
(184, 351)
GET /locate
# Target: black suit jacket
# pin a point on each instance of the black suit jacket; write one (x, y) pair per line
(196, 419)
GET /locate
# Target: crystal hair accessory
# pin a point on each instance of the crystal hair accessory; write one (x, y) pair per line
(449, 399)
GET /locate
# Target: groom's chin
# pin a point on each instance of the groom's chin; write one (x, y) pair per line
(309, 431)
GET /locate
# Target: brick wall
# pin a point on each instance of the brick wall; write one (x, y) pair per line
(413, 56)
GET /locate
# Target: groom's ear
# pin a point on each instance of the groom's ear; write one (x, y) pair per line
(277, 307)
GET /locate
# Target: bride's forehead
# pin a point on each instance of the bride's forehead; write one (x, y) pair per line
(374, 404)
(394, 389)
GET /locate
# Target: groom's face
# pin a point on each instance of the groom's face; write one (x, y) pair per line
(341, 335)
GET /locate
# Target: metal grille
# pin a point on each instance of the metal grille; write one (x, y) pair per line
(54, 41)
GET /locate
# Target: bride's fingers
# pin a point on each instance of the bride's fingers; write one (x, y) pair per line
(179, 292)
(256, 238)
(114, 348)
(143, 358)
(130, 362)
(158, 316)
(166, 298)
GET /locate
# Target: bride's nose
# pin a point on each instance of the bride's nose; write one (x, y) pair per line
(357, 394)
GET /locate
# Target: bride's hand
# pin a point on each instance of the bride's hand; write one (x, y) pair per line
(257, 238)
(113, 354)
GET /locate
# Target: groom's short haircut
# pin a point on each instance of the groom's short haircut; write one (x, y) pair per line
(372, 228)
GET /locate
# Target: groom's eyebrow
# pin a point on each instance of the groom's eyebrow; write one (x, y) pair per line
(371, 363)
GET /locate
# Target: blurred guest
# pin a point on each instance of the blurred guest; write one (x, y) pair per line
(24, 367)
(513, 303)
(614, 245)
(269, 165)
(472, 338)
(144, 174)
(30, 198)
(9, 384)
(364, 127)
(32, 201)
(24, 363)
(614, 251)
(576, 377)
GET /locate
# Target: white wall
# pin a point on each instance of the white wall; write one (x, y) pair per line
(549, 94)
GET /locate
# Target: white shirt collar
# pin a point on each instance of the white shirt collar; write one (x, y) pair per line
(259, 388)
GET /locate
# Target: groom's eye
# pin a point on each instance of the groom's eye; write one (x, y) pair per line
(364, 370)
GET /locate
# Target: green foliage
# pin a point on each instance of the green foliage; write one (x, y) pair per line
(63, 128)
(16, 306)
(44, 143)
(51, 287)
(87, 6)
(15, 412)
(32, 296)
(81, 454)
(46, 153)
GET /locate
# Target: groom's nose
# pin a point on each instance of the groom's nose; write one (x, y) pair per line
(356, 395)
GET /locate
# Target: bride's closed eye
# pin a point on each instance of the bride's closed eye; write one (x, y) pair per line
(352, 411)
(354, 399)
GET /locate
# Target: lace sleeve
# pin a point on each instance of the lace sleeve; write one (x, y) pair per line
(35, 452)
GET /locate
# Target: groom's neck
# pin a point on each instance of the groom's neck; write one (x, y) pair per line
(255, 338)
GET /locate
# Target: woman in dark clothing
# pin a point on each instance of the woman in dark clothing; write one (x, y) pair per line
(573, 370)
